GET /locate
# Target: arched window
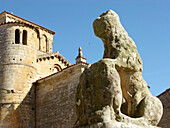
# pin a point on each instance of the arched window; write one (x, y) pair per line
(47, 45)
(24, 37)
(17, 36)
(57, 68)
(44, 43)
(39, 40)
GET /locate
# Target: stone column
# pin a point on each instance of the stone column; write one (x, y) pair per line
(40, 43)
(47, 45)
(20, 34)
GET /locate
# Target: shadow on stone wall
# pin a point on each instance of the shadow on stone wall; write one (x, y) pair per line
(19, 115)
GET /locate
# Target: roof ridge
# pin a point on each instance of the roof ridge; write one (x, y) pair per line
(56, 54)
(33, 24)
(163, 92)
(16, 22)
(60, 71)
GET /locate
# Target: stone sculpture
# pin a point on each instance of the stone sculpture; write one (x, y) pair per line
(112, 92)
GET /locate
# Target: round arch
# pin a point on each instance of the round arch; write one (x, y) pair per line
(56, 68)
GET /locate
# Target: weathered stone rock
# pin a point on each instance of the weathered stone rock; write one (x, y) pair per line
(119, 46)
(113, 124)
(100, 97)
(98, 92)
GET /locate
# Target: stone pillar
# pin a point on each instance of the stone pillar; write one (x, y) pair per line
(47, 45)
(40, 43)
(20, 34)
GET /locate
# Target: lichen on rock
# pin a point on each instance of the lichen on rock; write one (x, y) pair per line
(112, 90)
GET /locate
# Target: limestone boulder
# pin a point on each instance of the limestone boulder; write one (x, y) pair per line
(117, 44)
(98, 93)
(120, 47)
(112, 92)
(113, 124)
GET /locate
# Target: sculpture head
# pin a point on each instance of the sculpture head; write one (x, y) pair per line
(105, 25)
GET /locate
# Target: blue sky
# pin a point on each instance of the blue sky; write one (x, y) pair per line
(147, 23)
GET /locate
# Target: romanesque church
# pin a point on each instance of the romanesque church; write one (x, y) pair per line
(38, 86)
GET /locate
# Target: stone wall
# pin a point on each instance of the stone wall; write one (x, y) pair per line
(165, 99)
(55, 96)
(48, 64)
(19, 114)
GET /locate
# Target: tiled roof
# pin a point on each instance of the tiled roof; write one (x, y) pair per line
(24, 21)
(19, 22)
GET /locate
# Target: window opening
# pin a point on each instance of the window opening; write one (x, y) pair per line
(24, 37)
(17, 37)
